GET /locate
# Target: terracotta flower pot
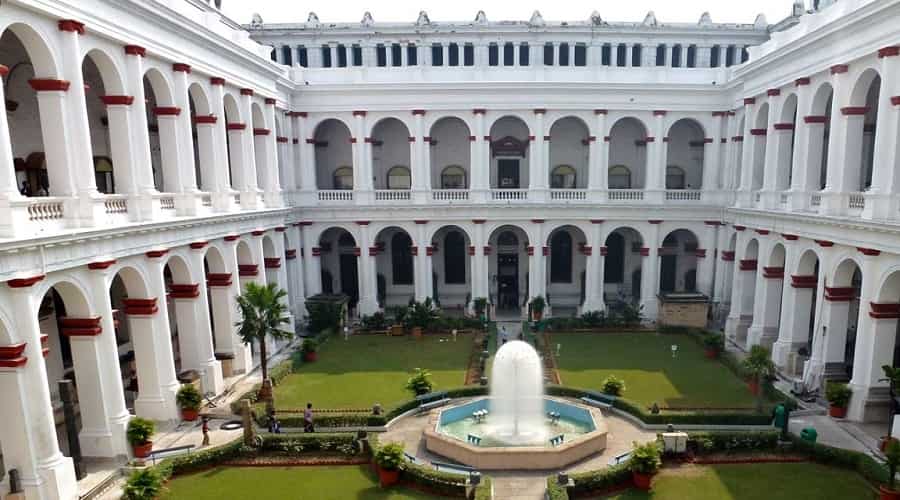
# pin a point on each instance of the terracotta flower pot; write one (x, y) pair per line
(884, 441)
(538, 315)
(888, 494)
(142, 450)
(753, 385)
(417, 332)
(837, 411)
(641, 481)
(388, 477)
(311, 356)
(711, 353)
(189, 414)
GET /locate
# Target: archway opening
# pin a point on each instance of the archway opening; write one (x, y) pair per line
(508, 268)
(339, 256)
(450, 154)
(509, 153)
(569, 154)
(684, 155)
(678, 262)
(627, 154)
(623, 262)
(334, 155)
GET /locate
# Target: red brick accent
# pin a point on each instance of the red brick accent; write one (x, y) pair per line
(472, 138)
(301, 114)
(167, 111)
(478, 221)
(11, 356)
(655, 221)
(665, 139)
(48, 85)
(414, 250)
(762, 231)
(773, 272)
(815, 119)
(545, 251)
(135, 50)
(773, 92)
(247, 92)
(155, 254)
(117, 100)
(248, 270)
(236, 126)
(486, 250)
(295, 141)
(748, 264)
(540, 111)
(479, 111)
(353, 140)
(231, 237)
(101, 264)
(80, 327)
(429, 251)
(282, 140)
(217, 80)
(839, 294)
(181, 68)
(801, 81)
(258, 232)
(604, 251)
(290, 253)
(471, 250)
(420, 112)
(597, 221)
(316, 251)
(804, 281)
(789, 237)
(854, 110)
(895, 100)
(530, 137)
(272, 262)
(261, 131)
(869, 251)
(700, 253)
(363, 222)
(758, 131)
(306, 223)
(600, 111)
(888, 51)
(659, 112)
(650, 139)
(184, 290)
(546, 137)
(586, 250)
(838, 69)
(537, 221)
(420, 222)
(739, 228)
(713, 223)
(884, 311)
(723, 140)
(269, 101)
(727, 256)
(749, 101)
(737, 138)
(197, 245)
(719, 113)
(783, 126)
(71, 25)
(140, 307)
(218, 279)
(373, 251)
(208, 119)
(645, 252)
(824, 243)
(359, 113)
(4, 70)
(280, 229)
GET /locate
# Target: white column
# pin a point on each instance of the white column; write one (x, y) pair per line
(840, 158)
(210, 369)
(287, 155)
(185, 142)
(480, 267)
(745, 194)
(876, 333)
(721, 292)
(766, 305)
(223, 195)
(706, 260)
(312, 262)
(881, 199)
(793, 329)
(161, 340)
(593, 281)
(777, 148)
(80, 159)
(307, 156)
(537, 286)
(223, 291)
(655, 174)
(250, 194)
(419, 153)
(480, 171)
(362, 167)
(712, 159)
(368, 278)
(537, 176)
(807, 158)
(140, 136)
(8, 188)
(423, 282)
(598, 160)
(650, 274)
(295, 243)
(154, 401)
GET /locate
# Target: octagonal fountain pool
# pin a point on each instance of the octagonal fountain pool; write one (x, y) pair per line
(517, 427)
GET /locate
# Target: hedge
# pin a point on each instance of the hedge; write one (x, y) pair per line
(484, 490)
(727, 441)
(295, 444)
(555, 491)
(869, 468)
(433, 481)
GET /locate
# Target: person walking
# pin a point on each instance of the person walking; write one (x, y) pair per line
(205, 429)
(308, 419)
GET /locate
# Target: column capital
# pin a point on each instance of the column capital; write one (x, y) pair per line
(140, 307)
(25, 282)
(101, 264)
(135, 50)
(70, 25)
(155, 254)
(184, 290)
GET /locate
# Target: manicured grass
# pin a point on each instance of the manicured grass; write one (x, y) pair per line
(286, 483)
(651, 374)
(369, 369)
(755, 482)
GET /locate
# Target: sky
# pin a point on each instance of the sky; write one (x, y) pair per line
(730, 11)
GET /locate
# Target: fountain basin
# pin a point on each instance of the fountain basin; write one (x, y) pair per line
(583, 430)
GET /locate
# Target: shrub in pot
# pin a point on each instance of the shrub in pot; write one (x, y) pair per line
(309, 350)
(713, 344)
(420, 382)
(537, 307)
(892, 460)
(389, 458)
(759, 368)
(189, 401)
(139, 432)
(145, 484)
(421, 316)
(838, 396)
(612, 385)
(645, 461)
(480, 305)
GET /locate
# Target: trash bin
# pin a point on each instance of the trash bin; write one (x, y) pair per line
(809, 434)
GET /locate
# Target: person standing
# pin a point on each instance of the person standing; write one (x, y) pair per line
(308, 419)
(205, 429)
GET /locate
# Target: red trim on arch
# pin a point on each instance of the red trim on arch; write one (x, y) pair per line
(815, 119)
(869, 251)
(231, 237)
(80, 327)
(258, 232)
(269, 101)
(739, 228)
(854, 110)
(359, 113)
(24, 282)
(838, 69)
(184, 290)
(889, 51)
(762, 231)
(181, 68)
(789, 237)
(208, 119)
(4, 70)
(101, 264)
(197, 245)
(419, 112)
(600, 111)
(236, 126)
(218, 279)
(839, 294)
(71, 25)
(135, 50)
(290, 253)
(895, 100)
(48, 85)
(748, 264)
(247, 92)
(155, 254)
(659, 112)
(248, 270)
(479, 111)
(261, 131)
(804, 281)
(12, 351)
(216, 80)
(140, 307)
(758, 131)
(167, 111)
(801, 81)
(272, 262)
(727, 256)
(749, 101)
(783, 126)
(773, 272)
(117, 100)
(773, 92)
(884, 311)
(824, 243)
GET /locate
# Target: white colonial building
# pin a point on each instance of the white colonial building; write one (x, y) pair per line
(155, 156)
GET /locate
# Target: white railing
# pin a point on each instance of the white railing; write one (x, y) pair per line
(757, 196)
(857, 201)
(206, 199)
(509, 194)
(166, 202)
(626, 194)
(335, 195)
(815, 200)
(682, 195)
(43, 209)
(116, 204)
(392, 195)
(450, 194)
(568, 194)
(237, 199)
(783, 199)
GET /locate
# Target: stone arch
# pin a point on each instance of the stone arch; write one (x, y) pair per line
(215, 262)
(339, 253)
(784, 130)
(204, 145)
(570, 147)
(396, 265)
(678, 261)
(685, 150)
(112, 165)
(450, 146)
(861, 114)
(623, 251)
(333, 151)
(508, 269)
(628, 148)
(759, 144)
(390, 153)
(41, 54)
(451, 265)
(262, 129)
(509, 152)
(566, 268)
(160, 106)
(234, 140)
(820, 136)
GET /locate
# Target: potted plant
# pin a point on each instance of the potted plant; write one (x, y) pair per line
(613, 386)
(420, 382)
(713, 344)
(645, 461)
(264, 315)
(759, 368)
(838, 395)
(309, 350)
(480, 305)
(144, 484)
(892, 460)
(420, 316)
(189, 401)
(139, 432)
(537, 305)
(388, 459)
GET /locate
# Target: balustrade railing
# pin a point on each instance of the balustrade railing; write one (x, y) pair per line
(626, 194)
(166, 202)
(509, 194)
(682, 195)
(450, 194)
(206, 199)
(815, 200)
(568, 194)
(331, 195)
(392, 195)
(116, 204)
(857, 201)
(44, 209)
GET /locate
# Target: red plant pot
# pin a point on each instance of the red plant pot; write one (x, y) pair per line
(417, 332)
(142, 450)
(641, 481)
(711, 353)
(888, 494)
(388, 477)
(754, 387)
(189, 414)
(309, 357)
(837, 411)
(884, 442)
(537, 315)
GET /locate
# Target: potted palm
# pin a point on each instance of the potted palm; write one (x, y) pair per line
(144, 484)
(263, 315)
(388, 460)
(759, 367)
(139, 432)
(537, 305)
(420, 382)
(892, 460)
(838, 395)
(189, 401)
(892, 375)
(420, 316)
(713, 344)
(645, 461)
(613, 386)
(309, 350)
(480, 305)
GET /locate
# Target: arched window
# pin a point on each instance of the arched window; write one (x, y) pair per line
(561, 258)
(674, 177)
(562, 177)
(401, 259)
(343, 178)
(345, 240)
(453, 177)
(614, 263)
(619, 177)
(454, 258)
(399, 178)
(507, 239)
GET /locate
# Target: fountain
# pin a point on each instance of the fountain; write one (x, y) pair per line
(517, 427)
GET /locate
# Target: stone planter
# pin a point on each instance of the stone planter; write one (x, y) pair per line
(142, 450)
(641, 481)
(227, 362)
(837, 411)
(189, 414)
(388, 477)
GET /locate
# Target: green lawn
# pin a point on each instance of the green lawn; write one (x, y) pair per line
(755, 482)
(369, 369)
(285, 483)
(651, 374)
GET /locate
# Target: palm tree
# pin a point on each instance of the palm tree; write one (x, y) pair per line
(264, 314)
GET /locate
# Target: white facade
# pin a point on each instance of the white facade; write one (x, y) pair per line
(169, 160)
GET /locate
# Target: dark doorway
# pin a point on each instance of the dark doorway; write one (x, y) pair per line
(508, 280)
(667, 273)
(349, 278)
(508, 174)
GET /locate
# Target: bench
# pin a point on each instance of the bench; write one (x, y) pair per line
(616, 460)
(599, 400)
(557, 440)
(593, 402)
(170, 452)
(432, 400)
(473, 439)
(453, 468)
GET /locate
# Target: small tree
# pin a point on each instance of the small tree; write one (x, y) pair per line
(613, 386)
(892, 460)
(145, 484)
(264, 315)
(892, 375)
(420, 382)
(645, 458)
(480, 305)
(759, 367)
